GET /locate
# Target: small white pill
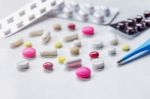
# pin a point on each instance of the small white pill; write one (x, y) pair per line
(89, 8)
(98, 64)
(112, 38)
(23, 65)
(16, 43)
(77, 43)
(49, 53)
(74, 5)
(46, 37)
(106, 10)
(67, 12)
(70, 37)
(36, 33)
(99, 18)
(112, 51)
(83, 15)
(97, 44)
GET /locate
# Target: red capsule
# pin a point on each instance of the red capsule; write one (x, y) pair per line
(48, 66)
(71, 26)
(94, 54)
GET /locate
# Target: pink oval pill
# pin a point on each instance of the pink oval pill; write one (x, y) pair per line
(83, 72)
(29, 52)
(88, 30)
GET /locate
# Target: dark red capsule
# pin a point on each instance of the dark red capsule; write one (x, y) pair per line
(94, 54)
(48, 66)
(71, 26)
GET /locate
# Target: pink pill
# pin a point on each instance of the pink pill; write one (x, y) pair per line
(29, 52)
(83, 72)
(88, 30)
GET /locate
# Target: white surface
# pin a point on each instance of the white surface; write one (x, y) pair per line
(131, 81)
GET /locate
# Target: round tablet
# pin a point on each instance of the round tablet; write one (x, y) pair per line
(57, 27)
(29, 52)
(88, 30)
(83, 72)
(112, 51)
(61, 59)
(125, 47)
(97, 44)
(23, 65)
(58, 45)
(98, 64)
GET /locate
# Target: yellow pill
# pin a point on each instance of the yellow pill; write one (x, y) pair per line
(125, 47)
(58, 45)
(27, 44)
(61, 59)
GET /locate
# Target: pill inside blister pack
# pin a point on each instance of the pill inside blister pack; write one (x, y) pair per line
(97, 14)
(27, 15)
(132, 27)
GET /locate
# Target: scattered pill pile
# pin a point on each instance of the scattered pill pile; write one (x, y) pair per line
(82, 72)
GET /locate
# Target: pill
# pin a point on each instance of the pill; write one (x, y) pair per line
(99, 18)
(130, 22)
(98, 64)
(125, 47)
(74, 5)
(48, 66)
(90, 8)
(147, 22)
(71, 26)
(58, 45)
(97, 44)
(94, 54)
(23, 65)
(36, 33)
(140, 27)
(77, 43)
(88, 30)
(138, 18)
(113, 40)
(75, 51)
(61, 59)
(130, 30)
(112, 51)
(147, 14)
(29, 53)
(121, 25)
(70, 37)
(67, 12)
(83, 72)
(46, 37)
(57, 27)
(27, 44)
(16, 43)
(74, 63)
(50, 53)
(106, 10)
(83, 16)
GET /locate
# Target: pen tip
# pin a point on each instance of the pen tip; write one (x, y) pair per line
(120, 61)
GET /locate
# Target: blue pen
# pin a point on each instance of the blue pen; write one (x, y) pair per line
(144, 49)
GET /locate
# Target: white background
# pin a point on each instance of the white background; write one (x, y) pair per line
(131, 81)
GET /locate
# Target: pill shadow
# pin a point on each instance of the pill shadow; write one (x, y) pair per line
(141, 55)
(84, 79)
